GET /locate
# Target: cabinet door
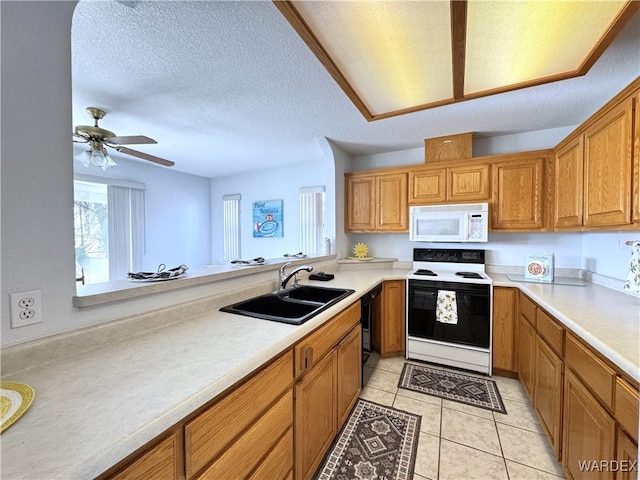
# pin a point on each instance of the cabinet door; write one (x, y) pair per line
(316, 422)
(588, 431)
(504, 324)
(393, 317)
(518, 194)
(627, 455)
(569, 193)
(548, 377)
(392, 211)
(159, 463)
(360, 198)
(526, 344)
(349, 372)
(427, 186)
(636, 158)
(466, 183)
(607, 168)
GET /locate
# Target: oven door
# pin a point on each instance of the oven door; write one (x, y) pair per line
(472, 306)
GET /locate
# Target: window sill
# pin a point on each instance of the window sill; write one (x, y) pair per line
(108, 292)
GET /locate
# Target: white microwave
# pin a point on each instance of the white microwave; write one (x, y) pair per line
(449, 223)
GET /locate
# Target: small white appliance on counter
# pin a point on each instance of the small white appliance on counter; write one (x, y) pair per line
(449, 223)
(449, 308)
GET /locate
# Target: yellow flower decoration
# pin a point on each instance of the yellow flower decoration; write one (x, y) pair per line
(361, 250)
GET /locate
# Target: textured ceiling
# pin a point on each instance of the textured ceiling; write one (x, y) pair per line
(226, 87)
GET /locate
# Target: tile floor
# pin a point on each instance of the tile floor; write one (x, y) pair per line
(464, 442)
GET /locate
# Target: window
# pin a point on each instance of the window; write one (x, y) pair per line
(231, 226)
(311, 220)
(109, 228)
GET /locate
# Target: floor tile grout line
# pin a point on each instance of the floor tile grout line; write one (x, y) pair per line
(536, 468)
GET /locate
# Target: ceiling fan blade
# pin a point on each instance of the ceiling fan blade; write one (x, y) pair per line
(145, 156)
(131, 140)
(77, 138)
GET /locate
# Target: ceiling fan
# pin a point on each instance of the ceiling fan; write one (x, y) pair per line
(98, 138)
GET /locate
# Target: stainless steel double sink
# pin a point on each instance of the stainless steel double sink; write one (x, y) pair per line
(294, 305)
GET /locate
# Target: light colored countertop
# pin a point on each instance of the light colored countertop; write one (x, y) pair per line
(606, 319)
(96, 407)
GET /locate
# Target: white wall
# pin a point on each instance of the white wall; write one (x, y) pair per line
(343, 163)
(269, 184)
(605, 253)
(177, 212)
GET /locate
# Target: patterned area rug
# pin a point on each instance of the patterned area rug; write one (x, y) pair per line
(376, 443)
(458, 387)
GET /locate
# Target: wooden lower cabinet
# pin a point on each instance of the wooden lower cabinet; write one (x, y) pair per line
(393, 318)
(316, 419)
(327, 389)
(627, 456)
(547, 394)
(158, 463)
(526, 354)
(349, 372)
(588, 431)
(248, 451)
(504, 325)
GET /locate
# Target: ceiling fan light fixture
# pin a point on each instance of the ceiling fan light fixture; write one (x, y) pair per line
(97, 157)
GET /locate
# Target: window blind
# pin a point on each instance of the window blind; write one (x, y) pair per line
(311, 220)
(126, 230)
(231, 226)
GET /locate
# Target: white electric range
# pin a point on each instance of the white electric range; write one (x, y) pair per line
(449, 309)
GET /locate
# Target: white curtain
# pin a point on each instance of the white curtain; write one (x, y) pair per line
(231, 227)
(311, 220)
(126, 230)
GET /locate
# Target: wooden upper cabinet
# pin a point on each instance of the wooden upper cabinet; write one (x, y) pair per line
(468, 182)
(449, 147)
(427, 185)
(636, 158)
(392, 210)
(459, 183)
(377, 203)
(607, 168)
(569, 193)
(361, 207)
(518, 193)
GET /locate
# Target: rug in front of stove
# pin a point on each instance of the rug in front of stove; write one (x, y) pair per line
(458, 387)
(376, 442)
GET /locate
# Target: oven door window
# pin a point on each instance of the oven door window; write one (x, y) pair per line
(472, 305)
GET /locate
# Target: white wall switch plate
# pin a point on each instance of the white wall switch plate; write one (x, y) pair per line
(26, 308)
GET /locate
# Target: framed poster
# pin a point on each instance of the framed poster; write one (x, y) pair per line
(267, 219)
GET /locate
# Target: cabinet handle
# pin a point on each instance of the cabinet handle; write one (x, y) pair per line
(307, 357)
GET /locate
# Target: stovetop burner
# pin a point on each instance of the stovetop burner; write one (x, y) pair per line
(423, 271)
(469, 275)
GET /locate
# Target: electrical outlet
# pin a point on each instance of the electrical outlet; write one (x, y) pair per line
(26, 308)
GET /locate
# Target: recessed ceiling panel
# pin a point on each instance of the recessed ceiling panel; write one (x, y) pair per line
(515, 42)
(394, 55)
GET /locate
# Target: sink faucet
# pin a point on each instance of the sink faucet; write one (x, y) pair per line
(283, 278)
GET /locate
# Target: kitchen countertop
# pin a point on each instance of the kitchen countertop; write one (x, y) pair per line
(96, 407)
(606, 319)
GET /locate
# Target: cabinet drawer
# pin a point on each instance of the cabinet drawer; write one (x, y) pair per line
(594, 372)
(279, 462)
(254, 444)
(158, 463)
(528, 309)
(626, 409)
(210, 432)
(311, 349)
(550, 330)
